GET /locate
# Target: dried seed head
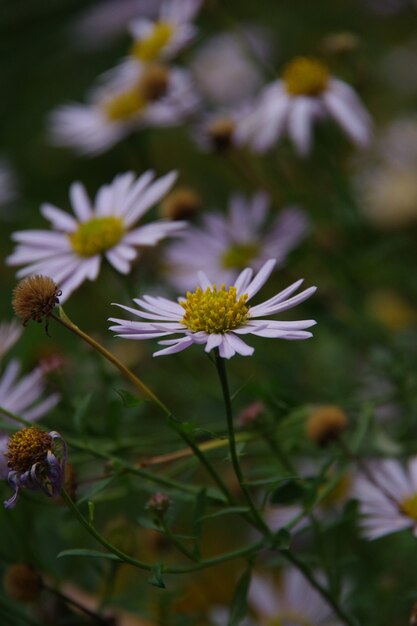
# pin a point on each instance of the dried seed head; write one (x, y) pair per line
(34, 298)
(220, 133)
(27, 447)
(325, 424)
(181, 204)
(22, 583)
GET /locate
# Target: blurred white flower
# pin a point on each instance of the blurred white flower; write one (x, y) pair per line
(216, 317)
(397, 144)
(98, 25)
(132, 96)
(107, 227)
(224, 71)
(10, 332)
(164, 37)
(292, 105)
(387, 495)
(291, 602)
(227, 243)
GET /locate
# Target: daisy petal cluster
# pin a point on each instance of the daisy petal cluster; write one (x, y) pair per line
(226, 244)
(164, 37)
(130, 97)
(291, 106)
(107, 227)
(216, 317)
(387, 495)
(292, 601)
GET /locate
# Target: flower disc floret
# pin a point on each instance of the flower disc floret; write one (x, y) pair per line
(305, 76)
(27, 447)
(125, 105)
(96, 235)
(215, 310)
(409, 507)
(149, 48)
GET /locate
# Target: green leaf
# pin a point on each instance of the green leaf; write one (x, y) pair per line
(186, 428)
(282, 539)
(238, 607)
(269, 481)
(102, 484)
(129, 399)
(95, 554)
(155, 578)
(227, 511)
(91, 512)
(289, 492)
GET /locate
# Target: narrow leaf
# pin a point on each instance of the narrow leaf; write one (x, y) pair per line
(95, 554)
(155, 578)
(238, 607)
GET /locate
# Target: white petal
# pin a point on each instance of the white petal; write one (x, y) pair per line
(58, 218)
(80, 202)
(260, 279)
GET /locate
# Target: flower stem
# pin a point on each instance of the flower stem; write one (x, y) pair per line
(257, 518)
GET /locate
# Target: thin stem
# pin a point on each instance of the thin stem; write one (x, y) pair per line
(228, 556)
(173, 539)
(144, 389)
(257, 518)
(77, 605)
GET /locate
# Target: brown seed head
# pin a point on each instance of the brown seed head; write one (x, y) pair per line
(22, 583)
(154, 82)
(181, 204)
(34, 298)
(27, 447)
(221, 133)
(325, 424)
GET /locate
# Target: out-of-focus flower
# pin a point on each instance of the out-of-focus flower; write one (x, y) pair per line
(36, 461)
(132, 96)
(325, 424)
(168, 34)
(226, 244)
(389, 196)
(387, 495)
(73, 251)
(216, 132)
(391, 309)
(10, 332)
(22, 583)
(99, 24)
(305, 93)
(342, 42)
(7, 183)
(223, 70)
(182, 203)
(216, 317)
(330, 504)
(397, 144)
(292, 601)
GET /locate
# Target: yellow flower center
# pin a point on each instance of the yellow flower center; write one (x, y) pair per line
(125, 105)
(97, 235)
(239, 255)
(305, 76)
(149, 48)
(27, 447)
(409, 507)
(215, 310)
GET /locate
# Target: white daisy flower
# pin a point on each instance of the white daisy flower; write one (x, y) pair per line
(291, 602)
(216, 317)
(226, 244)
(306, 93)
(72, 252)
(168, 34)
(132, 96)
(387, 495)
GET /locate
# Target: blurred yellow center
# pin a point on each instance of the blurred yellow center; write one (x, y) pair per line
(27, 447)
(305, 76)
(214, 310)
(239, 255)
(409, 507)
(97, 235)
(124, 105)
(149, 48)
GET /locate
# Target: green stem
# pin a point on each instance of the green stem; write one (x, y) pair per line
(228, 556)
(180, 547)
(257, 518)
